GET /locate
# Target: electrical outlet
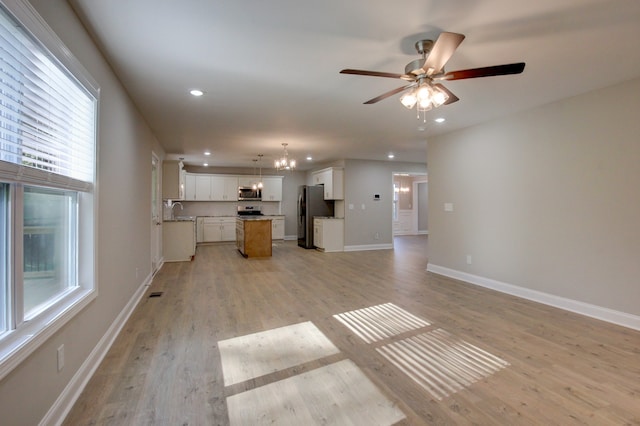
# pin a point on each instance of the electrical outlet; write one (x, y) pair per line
(469, 260)
(376, 236)
(60, 353)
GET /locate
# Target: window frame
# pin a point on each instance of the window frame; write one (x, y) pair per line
(21, 340)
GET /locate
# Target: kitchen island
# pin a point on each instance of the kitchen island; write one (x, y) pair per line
(253, 236)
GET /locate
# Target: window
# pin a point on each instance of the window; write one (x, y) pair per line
(48, 108)
(49, 246)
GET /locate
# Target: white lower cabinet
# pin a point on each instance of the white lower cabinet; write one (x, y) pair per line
(277, 228)
(328, 234)
(178, 240)
(216, 229)
(199, 229)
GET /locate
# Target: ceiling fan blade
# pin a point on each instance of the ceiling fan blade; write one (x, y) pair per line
(389, 93)
(442, 50)
(377, 74)
(506, 69)
(452, 98)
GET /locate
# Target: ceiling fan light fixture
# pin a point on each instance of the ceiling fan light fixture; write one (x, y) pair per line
(438, 97)
(425, 105)
(423, 93)
(409, 99)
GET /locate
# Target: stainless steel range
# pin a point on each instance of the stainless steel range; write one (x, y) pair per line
(249, 210)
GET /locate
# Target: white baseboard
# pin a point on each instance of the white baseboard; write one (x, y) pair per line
(291, 238)
(71, 393)
(605, 314)
(369, 247)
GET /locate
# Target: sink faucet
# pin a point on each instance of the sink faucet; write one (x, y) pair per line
(172, 205)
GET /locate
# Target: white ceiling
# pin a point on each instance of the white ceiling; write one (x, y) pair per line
(270, 69)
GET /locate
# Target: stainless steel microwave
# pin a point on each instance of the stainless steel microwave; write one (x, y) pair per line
(248, 193)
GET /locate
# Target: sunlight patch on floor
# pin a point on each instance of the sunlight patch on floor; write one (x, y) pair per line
(257, 354)
(441, 363)
(336, 394)
(380, 322)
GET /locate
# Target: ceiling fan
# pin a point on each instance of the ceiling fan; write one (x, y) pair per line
(424, 74)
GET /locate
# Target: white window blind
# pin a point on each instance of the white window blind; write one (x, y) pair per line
(47, 118)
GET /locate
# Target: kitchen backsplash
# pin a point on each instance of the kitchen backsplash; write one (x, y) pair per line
(218, 208)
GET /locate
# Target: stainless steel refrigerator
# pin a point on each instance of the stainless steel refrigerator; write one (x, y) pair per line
(311, 203)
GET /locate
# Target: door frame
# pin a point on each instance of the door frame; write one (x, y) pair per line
(416, 206)
(155, 214)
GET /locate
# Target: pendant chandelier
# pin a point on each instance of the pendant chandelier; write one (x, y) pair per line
(260, 165)
(285, 163)
(257, 184)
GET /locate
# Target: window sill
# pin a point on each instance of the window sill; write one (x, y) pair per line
(18, 344)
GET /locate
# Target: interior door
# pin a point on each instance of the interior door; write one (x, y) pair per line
(156, 224)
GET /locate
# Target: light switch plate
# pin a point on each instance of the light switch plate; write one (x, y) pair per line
(60, 357)
(448, 207)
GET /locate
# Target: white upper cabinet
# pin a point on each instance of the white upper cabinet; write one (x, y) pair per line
(333, 181)
(190, 187)
(272, 188)
(202, 187)
(224, 188)
(247, 180)
(173, 180)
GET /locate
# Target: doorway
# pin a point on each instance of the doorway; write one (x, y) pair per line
(410, 199)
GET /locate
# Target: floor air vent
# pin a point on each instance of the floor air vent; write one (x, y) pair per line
(155, 294)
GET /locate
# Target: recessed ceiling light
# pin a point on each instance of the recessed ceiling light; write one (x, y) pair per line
(390, 156)
(206, 164)
(207, 153)
(309, 158)
(196, 92)
(439, 120)
(421, 129)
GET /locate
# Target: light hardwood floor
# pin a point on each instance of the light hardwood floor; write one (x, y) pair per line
(549, 366)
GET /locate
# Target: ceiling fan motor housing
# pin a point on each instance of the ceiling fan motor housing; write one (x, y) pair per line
(423, 47)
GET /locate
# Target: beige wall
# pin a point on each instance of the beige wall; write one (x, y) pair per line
(363, 179)
(124, 185)
(546, 199)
